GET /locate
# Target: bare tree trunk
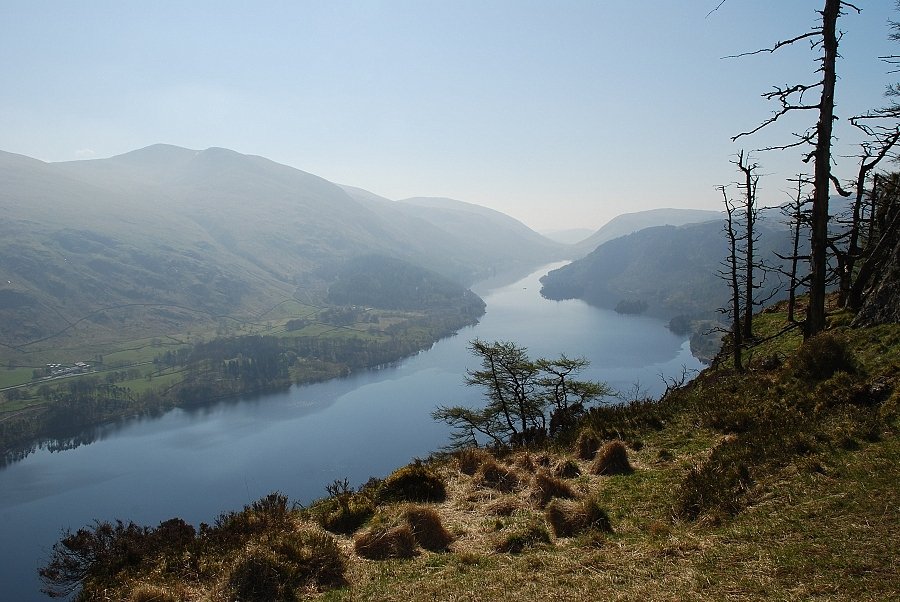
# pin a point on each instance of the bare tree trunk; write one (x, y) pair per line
(815, 314)
(750, 210)
(734, 283)
(797, 218)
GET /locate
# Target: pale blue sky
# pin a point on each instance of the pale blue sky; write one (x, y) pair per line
(562, 114)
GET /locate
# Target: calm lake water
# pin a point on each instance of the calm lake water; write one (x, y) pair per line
(199, 463)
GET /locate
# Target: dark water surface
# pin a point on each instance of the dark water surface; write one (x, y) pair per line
(199, 463)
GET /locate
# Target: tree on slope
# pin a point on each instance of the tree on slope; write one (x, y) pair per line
(818, 139)
(518, 392)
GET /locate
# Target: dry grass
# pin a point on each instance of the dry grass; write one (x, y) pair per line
(586, 445)
(380, 543)
(545, 487)
(573, 517)
(612, 459)
(469, 460)
(494, 475)
(427, 528)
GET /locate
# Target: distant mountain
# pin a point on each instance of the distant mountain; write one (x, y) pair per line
(671, 269)
(628, 223)
(485, 242)
(490, 231)
(164, 237)
(569, 236)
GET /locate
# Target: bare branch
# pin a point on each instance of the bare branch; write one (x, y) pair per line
(837, 185)
(809, 34)
(715, 9)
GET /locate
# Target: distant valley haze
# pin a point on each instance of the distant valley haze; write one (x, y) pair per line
(561, 116)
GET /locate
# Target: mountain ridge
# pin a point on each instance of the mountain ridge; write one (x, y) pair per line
(215, 231)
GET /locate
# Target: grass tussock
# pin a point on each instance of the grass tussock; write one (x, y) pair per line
(574, 517)
(152, 593)
(821, 356)
(427, 528)
(612, 459)
(469, 460)
(416, 482)
(493, 475)
(523, 534)
(382, 542)
(545, 487)
(567, 469)
(586, 445)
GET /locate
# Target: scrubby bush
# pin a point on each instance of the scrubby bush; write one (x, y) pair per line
(545, 487)
(415, 482)
(571, 517)
(345, 519)
(626, 420)
(612, 459)
(716, 484)
(260, 576)
(96, 556)
(277, 570)
(380, 542)
(345, 510)
(268, 514)
(821, 356)
(427, 528)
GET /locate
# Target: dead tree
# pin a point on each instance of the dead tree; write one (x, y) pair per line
(750, 237)
(791, 99)
(797, 218)
(731, 274)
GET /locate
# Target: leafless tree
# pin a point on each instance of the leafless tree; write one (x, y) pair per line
(797, 217)
(792, 98)
(731, 274)
(748, 185)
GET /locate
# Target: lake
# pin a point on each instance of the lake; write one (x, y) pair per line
(197, 463)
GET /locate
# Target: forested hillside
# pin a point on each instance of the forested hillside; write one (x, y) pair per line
(673, 270)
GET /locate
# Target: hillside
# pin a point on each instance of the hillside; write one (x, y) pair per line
(166, 239)
(671, 269)
(487, 241)
(628, 223)
(778, 483)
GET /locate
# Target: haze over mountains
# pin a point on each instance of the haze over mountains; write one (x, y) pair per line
(172, 236)
(628, 223)
(164, 238)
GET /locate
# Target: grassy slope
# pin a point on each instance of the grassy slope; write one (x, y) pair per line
(817, 525)
(815, 517)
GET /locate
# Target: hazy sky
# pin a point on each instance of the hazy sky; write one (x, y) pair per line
(562, 114)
